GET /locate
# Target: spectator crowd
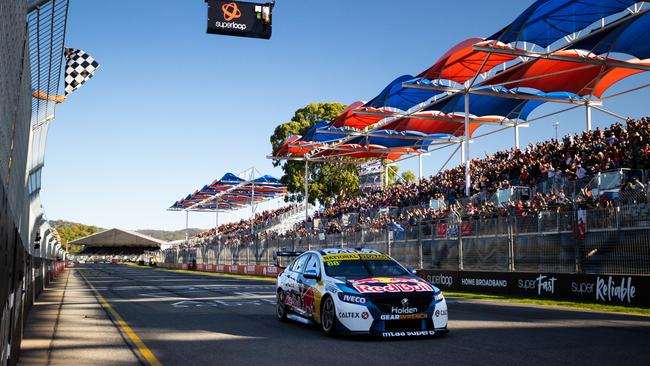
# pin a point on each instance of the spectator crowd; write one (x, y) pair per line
(544, 168)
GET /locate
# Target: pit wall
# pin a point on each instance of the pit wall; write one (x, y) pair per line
(24, 270)
(22, 278)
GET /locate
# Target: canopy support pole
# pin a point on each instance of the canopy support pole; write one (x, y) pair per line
(216, 222)
(449, 158)
(588, 115)
(624, 119)
(466, 143)
(516, 128)
(386, 176)
(420, 166)
(462, 153)
(252, 207)
(187, 225)
(306, 190)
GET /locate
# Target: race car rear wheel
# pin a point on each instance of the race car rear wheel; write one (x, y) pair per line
(281, 308)
(328, 316)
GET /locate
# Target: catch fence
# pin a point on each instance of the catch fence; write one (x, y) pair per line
(599, 241)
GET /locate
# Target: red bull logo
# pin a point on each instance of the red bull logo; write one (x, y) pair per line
(381, 285)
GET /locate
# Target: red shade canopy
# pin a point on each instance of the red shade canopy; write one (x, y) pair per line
(292, 146)
(284, 149)
(566, 76)
(366, 152)
(350, 117)
(426, 122)
(462, 62)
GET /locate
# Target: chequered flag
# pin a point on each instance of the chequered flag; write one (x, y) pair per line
(80, 67)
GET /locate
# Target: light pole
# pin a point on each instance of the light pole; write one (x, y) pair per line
(556, 125)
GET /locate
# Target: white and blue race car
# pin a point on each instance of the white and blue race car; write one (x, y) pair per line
(360, 291)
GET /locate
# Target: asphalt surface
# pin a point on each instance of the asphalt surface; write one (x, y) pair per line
(190, 319)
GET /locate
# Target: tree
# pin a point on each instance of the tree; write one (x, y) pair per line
(328, 181)
(409, 176)
(70, 231)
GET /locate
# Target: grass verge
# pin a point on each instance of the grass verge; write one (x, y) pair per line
(553, 303)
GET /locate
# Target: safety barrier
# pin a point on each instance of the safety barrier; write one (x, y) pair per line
(256, 270)
(600, 241)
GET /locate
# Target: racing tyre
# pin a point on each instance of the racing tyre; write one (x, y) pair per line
(281, 308)
(328, 317)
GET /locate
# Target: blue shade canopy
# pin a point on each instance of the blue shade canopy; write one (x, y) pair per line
(390, 139)
(329, 134)
(546, 21)
(228, 193)
(267, 179)
(630, 37)
(396, 139)
(230, 178)
(494, 105)
(397, 96)
(309, 136)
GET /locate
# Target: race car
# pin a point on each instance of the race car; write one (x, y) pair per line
(359, 292)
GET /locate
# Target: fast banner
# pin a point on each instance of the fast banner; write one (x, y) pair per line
(627, 290)
(239, 18)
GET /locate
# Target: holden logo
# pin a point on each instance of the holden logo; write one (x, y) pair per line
(405, 302)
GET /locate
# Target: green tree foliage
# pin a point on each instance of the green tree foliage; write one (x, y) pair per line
(329, 181)
(69, 231)
(409, 176)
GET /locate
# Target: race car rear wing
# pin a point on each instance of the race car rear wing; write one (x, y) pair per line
(289, 254)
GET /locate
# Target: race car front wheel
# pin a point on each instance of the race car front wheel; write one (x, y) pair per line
(281, 308)
(328, 317)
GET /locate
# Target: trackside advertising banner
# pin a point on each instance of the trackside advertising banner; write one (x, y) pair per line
(628, 290)
(239, 18)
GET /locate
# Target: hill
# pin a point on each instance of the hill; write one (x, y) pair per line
(170, 235)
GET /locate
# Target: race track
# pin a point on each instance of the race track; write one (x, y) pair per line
(190, 319)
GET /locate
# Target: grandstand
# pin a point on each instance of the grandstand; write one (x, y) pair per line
(482, 211)
(116, 244)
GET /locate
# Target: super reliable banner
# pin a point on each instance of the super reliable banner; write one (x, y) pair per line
(628, 290)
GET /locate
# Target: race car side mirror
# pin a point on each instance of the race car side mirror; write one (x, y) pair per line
(412, 270)
(311, 274)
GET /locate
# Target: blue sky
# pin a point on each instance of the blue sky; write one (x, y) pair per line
(172, 108)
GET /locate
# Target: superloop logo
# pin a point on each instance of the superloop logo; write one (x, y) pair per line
(230, 13)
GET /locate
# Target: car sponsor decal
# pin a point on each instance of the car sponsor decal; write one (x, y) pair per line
(353, 315)
(387, 284)
(404, 316)
(353, 251)
(438, 313)
(353, 299)
(413, 333)
(354, 257)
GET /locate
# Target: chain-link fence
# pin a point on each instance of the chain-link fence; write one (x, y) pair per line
(613, 240)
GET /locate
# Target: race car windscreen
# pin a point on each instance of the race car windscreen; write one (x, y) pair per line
(370, 266)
